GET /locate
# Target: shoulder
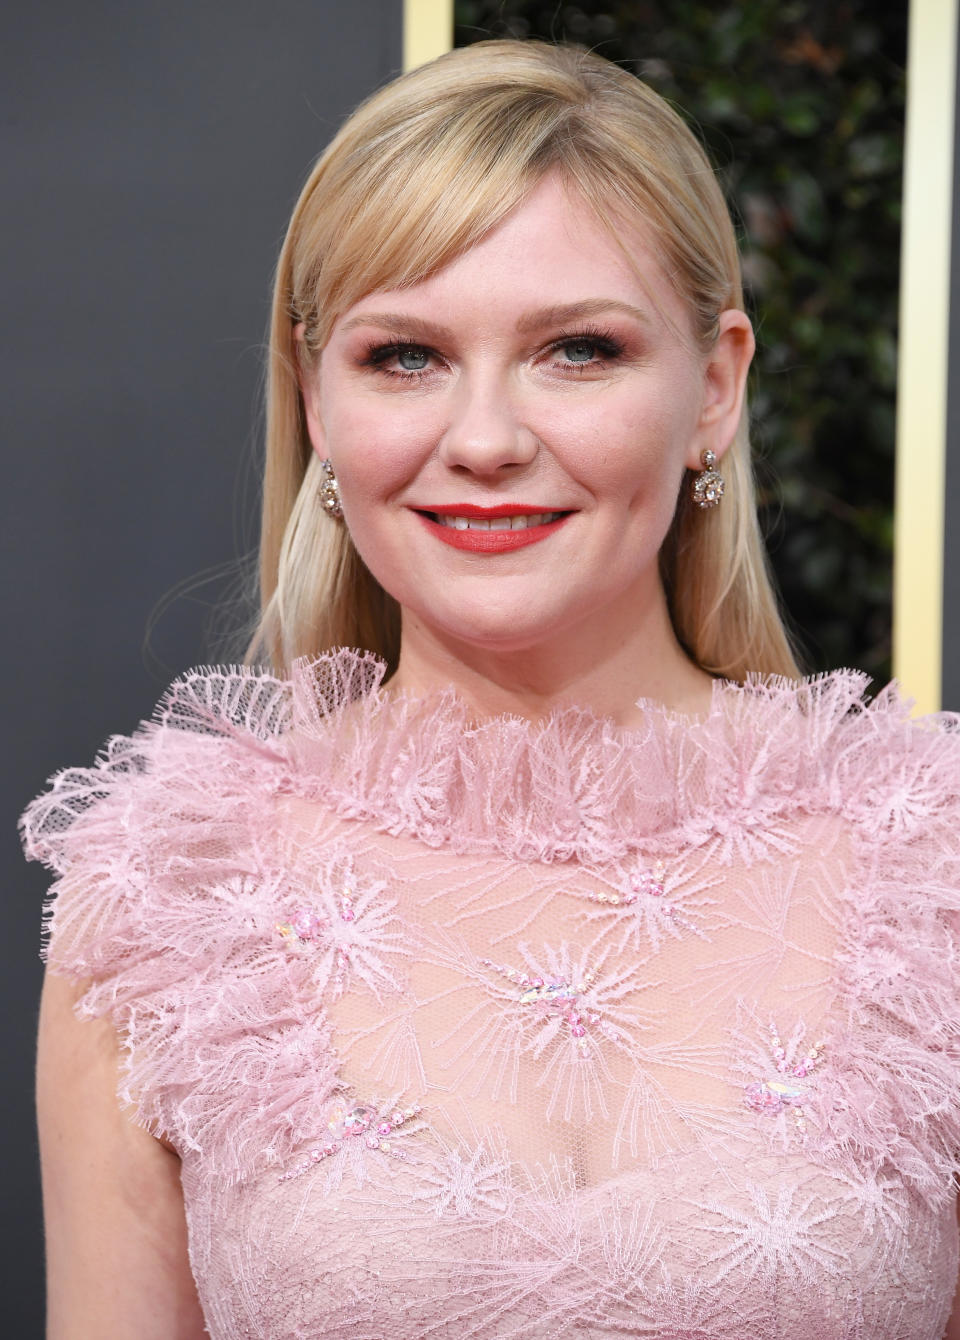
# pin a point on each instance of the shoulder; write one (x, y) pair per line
(887, 866)
(825, 743)
(167, 866)
(139, 840)
(894, 780)
(215, 739)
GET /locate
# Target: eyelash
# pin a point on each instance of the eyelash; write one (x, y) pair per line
(606, 347)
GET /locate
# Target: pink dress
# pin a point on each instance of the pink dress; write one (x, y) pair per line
(513, 1030)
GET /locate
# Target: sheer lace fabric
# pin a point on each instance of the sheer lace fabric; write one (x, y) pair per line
(534, 1031)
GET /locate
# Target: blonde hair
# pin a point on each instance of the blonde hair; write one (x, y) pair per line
(420, 172)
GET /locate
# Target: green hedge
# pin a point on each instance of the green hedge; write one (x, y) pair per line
(801, 107)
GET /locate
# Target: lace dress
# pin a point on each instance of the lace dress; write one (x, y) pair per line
(515, 1030)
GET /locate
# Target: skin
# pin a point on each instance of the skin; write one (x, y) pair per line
(116, 1235)
(514, 404)
(499, 414)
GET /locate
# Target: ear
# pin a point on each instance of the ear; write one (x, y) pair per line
(724, 387)
(309, 393)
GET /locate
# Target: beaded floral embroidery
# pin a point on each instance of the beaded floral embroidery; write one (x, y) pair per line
(562, 1007)
(788, 1084)
(356, 1128)
(638, 908)
(642, 881)
(348, 930)
(643, 884)
(559, 1000)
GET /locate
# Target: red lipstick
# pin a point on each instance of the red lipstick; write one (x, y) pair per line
(490, 541)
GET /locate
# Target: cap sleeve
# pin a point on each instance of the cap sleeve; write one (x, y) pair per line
(895, 1066)
(164, 857)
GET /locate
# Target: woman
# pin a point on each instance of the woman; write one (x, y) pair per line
(528, 971)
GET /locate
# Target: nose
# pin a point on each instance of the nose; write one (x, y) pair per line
(486, 431)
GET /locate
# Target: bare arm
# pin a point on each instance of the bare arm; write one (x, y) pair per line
(953, 1325)
(115, 1229)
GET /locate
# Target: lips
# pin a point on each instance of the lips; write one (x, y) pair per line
(491, 530)
(515, 521)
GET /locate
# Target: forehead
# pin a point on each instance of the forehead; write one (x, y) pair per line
(552, 250)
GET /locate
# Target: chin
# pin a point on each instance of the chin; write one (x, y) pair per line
(506, 631)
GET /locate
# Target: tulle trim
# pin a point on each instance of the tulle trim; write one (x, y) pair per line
(891, 1090)
(571, 786)
(226, 1054)
(575, 786)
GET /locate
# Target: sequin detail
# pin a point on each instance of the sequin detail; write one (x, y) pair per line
(346, 932)
(787, 1087)
(346, 1122)
(556, 995)
(306, 924)
(643, 882)
(307, 927)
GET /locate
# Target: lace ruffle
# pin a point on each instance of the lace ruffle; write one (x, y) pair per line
(575, 786)
(159, 911)
(158, 846)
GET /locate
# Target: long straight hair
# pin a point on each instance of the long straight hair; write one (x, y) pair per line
(419, 173)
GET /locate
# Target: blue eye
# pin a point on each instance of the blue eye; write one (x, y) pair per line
(579, 351)
(402, 360)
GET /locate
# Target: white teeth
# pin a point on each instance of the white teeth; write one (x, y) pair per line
(497, 522)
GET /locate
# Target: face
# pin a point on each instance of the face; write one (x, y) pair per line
(510, 435)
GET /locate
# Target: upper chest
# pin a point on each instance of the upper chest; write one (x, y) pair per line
(601, 1011)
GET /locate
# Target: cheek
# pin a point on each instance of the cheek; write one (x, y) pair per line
(632, 449)
(375, 451)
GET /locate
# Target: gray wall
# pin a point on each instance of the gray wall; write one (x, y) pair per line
(152, 154)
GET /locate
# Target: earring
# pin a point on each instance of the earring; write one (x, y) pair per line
(707, 488)
(329, 492)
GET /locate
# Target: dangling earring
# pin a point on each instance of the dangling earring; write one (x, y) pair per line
(707, 488)
(329, 492)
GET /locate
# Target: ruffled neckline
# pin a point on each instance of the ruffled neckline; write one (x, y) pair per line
(572, 785)
(169, 846)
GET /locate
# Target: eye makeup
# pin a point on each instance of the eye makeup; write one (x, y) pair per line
(588, 349)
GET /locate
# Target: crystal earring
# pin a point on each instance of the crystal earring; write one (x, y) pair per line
(707, 488)
(329, 492)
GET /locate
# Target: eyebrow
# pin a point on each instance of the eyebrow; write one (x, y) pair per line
(565, 313)
(559, 315)
(396, 321)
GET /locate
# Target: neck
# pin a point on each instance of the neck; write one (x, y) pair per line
(604, 664)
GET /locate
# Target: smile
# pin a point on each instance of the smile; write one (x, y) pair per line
(521, 522)
(491, 530)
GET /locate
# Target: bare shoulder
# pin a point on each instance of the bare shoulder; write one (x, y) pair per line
(116, 1237)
